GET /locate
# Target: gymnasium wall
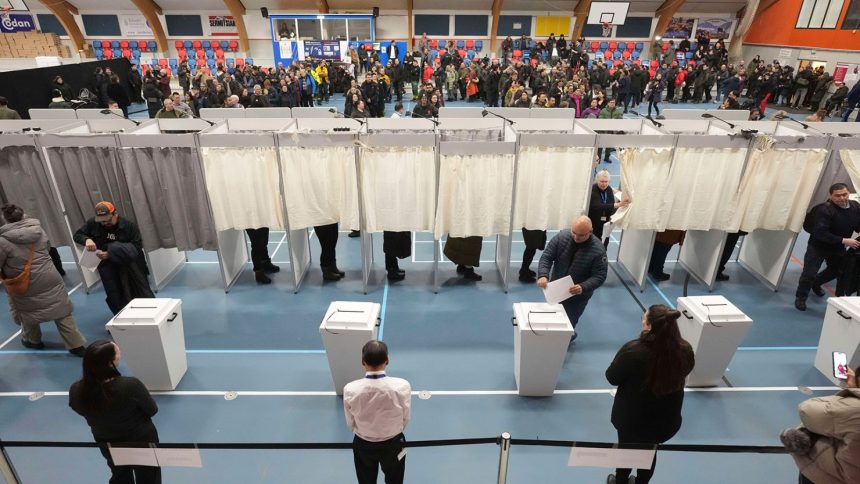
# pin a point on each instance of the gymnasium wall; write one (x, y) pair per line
(775, 27)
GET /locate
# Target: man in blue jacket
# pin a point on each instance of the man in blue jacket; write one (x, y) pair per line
(852, 101)
(578, 253)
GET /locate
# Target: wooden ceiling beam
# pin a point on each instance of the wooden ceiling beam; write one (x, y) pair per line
(323, 6)
(65, 16)
(150, 11)
(580, 14)
(497, 10)
(410, 42)
(664, 15)
(237, 10)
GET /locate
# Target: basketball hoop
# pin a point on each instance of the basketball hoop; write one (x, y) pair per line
(607, 29)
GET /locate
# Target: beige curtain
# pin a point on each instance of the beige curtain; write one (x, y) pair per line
(851, 161)
(399, 188)
(644, 176)
(776, 189)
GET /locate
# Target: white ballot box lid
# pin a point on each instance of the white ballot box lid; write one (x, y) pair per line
(713, 309)
(350, 315)
(850, 305)
(540, 316)
(146, 311)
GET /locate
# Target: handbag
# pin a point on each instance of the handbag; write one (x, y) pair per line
(19, 284)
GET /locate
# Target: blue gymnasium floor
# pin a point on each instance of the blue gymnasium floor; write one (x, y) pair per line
(457, 344)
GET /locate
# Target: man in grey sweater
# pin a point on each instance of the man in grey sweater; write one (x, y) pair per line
(578, 253)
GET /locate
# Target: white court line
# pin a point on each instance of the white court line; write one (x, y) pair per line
(271, 257)
(447, 393)
(18, 333)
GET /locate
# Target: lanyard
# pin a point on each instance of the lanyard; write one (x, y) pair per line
(604, 197)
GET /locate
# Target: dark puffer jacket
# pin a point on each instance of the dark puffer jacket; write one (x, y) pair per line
(587, 266)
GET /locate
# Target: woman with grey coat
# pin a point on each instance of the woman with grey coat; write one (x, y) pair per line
(46, 298)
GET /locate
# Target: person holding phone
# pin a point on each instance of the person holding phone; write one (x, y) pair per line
(826, 447)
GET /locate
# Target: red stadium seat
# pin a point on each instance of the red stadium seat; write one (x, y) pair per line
(533, 61)
(105, 44)
(219, 54)
(201, 63)
(433, 44)
(470, 44)
(665, 46)
(637, 63)
(607, 55)
(201, 54)
(652, 72)
(613, 46)
(611, 71)
(234, 45)
(107, 54)
(240, 62)
(518, 53)
(178, 44)
(126, 53)
(162, 62)
(123, 44)
(625, 55)
(141, 45)
(197, 45)
(215, 45)
(655, 63)
(182, 54)
(691, 62)
(595, 46)
(617, 63)
(462, 53)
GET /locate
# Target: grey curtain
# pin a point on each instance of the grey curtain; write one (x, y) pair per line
(25, 182)
(472, 135)
(169, 197)
(87, 175)
(834, 172)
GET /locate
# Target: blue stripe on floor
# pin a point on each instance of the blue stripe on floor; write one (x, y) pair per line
(663, 295)
(382, 311)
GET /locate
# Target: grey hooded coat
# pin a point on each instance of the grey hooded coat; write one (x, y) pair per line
(46, 298)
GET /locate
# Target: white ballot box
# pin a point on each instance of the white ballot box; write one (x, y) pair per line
(542, 334)
(841, 332)
(714, 327)
(346, 327)
(150, 335)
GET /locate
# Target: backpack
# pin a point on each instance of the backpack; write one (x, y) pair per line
(809, 220)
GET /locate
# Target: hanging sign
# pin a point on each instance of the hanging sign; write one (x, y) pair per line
(222, 26)
(17, 22)
(134, 26)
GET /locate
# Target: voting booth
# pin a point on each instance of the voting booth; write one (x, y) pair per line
(476, 184)
(714, 327)
(840, 332)
(319, 178)
(542, 334)
(346, 327)
(398, 179)
(648, 152)
(150, 334)
(85, 169)
(243, 183)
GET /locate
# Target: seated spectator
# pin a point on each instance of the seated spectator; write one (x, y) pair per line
(6, 112)
(169, 111)
(58, 101)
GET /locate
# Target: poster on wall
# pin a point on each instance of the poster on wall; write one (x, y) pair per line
(679, 28)
(222, 26)
(286, 49)
(322, 49)
(847, 73)
(17, 22)
(134, 26)
(714, 28)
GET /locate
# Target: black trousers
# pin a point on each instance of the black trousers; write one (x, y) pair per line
(259, 247)
(658, 257)
(731, 242)
(370, 456)
(574, 307)
(327, 235)
(631, 436)
(396, 245)
(111, 276)
(534, 240)
(133, 474)
(812, 260)
(55, 258)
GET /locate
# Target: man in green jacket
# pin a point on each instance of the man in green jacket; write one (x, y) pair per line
(610, 112)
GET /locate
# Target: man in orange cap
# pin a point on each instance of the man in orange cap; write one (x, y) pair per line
(117, 242)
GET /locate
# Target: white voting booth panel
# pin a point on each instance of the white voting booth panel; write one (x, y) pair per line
(98, 114)
(840, 332)
(217, 114)
(690, 114)
(542, 334)
(714, 327)
(152, 339)
(36, 113)
(314, 113)
(272, 112)
(346, 327)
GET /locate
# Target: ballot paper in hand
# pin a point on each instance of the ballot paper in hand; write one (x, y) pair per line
(90, 261)
(558, 290)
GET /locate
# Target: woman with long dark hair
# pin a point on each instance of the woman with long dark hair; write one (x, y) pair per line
(117, 408)
(650, 372)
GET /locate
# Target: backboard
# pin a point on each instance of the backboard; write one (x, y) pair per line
(614, 13)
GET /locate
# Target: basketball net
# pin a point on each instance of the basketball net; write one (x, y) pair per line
(607, 29)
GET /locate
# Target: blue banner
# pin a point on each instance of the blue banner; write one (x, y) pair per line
(15, 22)
(322, 49)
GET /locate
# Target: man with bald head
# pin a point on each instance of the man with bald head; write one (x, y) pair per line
(579, 254)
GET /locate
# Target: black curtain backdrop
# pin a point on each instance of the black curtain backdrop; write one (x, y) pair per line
(31, 88)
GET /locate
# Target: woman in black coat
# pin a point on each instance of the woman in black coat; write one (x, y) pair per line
(650, 372)
(118, 93)
(118, 409)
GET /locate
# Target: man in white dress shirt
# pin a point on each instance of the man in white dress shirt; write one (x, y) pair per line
(377, 410)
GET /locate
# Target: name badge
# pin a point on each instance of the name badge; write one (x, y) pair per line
(603, 219)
